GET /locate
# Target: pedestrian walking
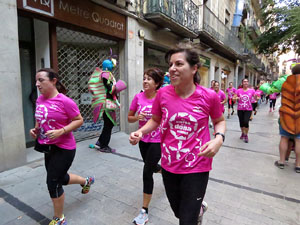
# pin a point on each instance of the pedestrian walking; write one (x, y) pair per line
(150, 143)
(230, 93)
(212, 84)
(221, 95)
(272, 98)
(244, 108)
(56, 117)
(182, 110)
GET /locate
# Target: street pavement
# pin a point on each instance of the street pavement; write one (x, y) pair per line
(244, 187)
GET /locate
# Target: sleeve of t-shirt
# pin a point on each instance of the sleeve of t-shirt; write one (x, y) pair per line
(71, 108)
(215, 106)
(156, 109)
(133, 106)
(223, 96)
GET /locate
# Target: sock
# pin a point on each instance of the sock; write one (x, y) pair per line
(146, 209)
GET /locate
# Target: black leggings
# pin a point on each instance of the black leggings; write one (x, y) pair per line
(272, 103)
(151, 154)
(254, 106)
(57, 164)
(230, 105)
(105, 136)
(185, 193)
(244, 117)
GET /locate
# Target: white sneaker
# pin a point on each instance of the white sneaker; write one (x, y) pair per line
(203, 209)
(142, 218)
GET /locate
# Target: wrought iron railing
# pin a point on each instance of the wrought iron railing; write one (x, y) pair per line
(184, 12)
(255, 61)
(218, 30)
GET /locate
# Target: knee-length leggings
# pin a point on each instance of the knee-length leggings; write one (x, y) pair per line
(244, 117)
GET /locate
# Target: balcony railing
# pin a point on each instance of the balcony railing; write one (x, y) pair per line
(180, 16)
(218, 30)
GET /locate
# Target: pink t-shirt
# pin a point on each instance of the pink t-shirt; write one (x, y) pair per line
(56, 113)
(245, 99)
(141, 104)
(273, 96)
(222, 97)
(184, 128)
(231, 92)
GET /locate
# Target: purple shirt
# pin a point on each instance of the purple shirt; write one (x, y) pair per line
(141, 104)
(273, 96)
(231, 92)
(245, 99)
(184, 128)
(56, 113)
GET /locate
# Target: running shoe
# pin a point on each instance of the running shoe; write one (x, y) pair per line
(232, 112)
(98, 144)
(142, 218)
(279, 165)
(107, 149)
(57, 221)
(242, 136)
(270, 110)
(203, 209)
(246, 140)
(89, 181)
(297, 169)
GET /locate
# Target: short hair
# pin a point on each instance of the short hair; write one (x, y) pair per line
(156, 74)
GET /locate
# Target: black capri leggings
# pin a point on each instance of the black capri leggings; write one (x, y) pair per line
(151, 154)
(244, 117)
(57, 164)
(254, 106)
(272, 103)
(230, 103)
(185, 193)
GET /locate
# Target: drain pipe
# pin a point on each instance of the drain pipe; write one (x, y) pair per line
(238, 13)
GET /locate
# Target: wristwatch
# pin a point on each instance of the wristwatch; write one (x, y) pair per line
(223, 135)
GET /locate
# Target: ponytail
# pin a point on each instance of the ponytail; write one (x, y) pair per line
(52, 74)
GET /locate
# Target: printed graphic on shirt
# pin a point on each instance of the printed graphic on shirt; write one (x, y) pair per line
(244, 101)
(41, 115)
(183, 126)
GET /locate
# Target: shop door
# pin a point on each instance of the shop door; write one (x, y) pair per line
(78, 55)
(29, 93)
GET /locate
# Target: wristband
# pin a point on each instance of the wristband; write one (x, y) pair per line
(223, 135)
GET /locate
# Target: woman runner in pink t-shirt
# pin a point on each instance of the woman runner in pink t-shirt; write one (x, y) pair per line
(221, 95)
(56, 117)
(230, 92)
(150, 143)
(244, 96)
(182, 111)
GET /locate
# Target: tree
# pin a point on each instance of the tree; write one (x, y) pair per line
(282, 26)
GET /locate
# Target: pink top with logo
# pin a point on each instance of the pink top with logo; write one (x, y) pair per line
(222, 97)
(56, 113)
(273, 96)
(184, 128)
(230, 92)
(245, 99)
(141, 104)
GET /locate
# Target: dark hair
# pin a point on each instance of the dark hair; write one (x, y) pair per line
(296, 69)
(230, 82)
(216, 82)
(52, 74)
(244, 79)
(157, 75)
(191, 56)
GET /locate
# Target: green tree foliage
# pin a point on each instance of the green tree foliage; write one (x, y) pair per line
(281, 19)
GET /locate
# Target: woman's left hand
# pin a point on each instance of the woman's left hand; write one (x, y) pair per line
(53, 134)
(211, 148)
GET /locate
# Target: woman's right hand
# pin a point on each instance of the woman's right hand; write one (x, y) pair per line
(141, 116)
(135, 137)
(33, 132)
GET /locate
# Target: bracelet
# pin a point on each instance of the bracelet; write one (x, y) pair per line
(223, 136)
(64, 130)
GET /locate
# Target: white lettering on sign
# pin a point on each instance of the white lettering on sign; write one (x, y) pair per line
(39, 6)
(94, 16)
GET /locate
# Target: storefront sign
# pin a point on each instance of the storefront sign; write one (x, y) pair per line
(40, 6)
(81, 13)
(204, 61)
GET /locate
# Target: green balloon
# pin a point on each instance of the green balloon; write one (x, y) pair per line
(265, 87)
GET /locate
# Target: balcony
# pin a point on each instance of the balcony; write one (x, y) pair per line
(254, 29)
(215, 33)
(181, 17)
